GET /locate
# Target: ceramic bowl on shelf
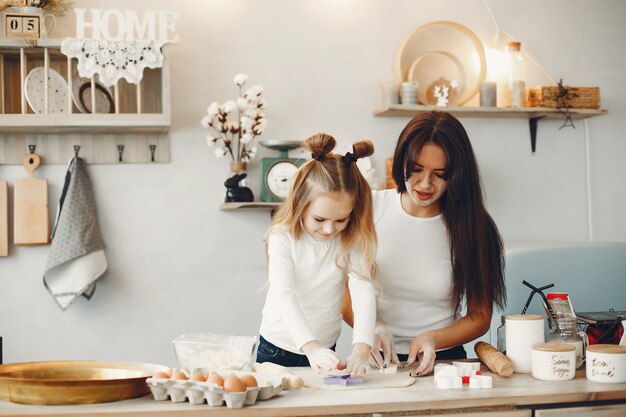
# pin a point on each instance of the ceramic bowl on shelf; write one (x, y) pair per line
(439, 49)
(35, 91)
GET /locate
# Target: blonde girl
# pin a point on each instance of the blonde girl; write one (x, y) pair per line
(321, 234)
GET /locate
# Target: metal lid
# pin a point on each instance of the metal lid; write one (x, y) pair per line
(281, 145)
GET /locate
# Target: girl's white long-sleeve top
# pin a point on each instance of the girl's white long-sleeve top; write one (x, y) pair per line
(306, 290)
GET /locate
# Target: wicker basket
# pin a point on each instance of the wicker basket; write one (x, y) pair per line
(580, 97)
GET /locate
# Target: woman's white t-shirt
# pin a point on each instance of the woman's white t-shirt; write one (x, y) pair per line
(306, 292)
(414, 271)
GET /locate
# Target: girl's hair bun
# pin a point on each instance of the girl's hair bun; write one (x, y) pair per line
(362, 149)
(319, 145)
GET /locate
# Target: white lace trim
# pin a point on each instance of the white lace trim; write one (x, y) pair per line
(113, 59)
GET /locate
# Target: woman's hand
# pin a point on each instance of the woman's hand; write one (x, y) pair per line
(358, 361)
(320, 358)
(422, 347)
(383, 340)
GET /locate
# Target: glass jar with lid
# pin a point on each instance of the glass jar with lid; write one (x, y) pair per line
(567, 331)
(512, 92)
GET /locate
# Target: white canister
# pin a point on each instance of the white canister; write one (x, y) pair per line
(606, 363)
(553, 361)
(523, 331)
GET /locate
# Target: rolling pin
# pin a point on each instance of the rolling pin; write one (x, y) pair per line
(290, 380)
(495, 360)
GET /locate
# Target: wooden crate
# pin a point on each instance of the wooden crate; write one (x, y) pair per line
(579, 97)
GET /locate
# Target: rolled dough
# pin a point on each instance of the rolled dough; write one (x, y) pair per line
(375, 379)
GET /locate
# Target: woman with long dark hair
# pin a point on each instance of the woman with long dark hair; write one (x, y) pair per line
(438, 249)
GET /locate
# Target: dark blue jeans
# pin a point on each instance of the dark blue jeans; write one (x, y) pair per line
(457, 352)
(268, 352)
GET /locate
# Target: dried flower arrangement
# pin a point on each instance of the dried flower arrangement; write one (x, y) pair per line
(55, 7)
(236, 122)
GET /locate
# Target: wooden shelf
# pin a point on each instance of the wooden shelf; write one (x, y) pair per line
(532, 114)
(410, 110)
(254, 205)
(85, 123)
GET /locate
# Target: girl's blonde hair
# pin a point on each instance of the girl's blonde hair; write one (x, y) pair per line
(331, 173)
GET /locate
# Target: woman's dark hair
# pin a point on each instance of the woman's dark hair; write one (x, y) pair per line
(476, 248)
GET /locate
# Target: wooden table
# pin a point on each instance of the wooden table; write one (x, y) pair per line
(517, 396)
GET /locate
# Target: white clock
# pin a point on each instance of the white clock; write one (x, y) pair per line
(278, 177)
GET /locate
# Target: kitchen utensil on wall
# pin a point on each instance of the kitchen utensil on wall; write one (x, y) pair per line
(31, 221)
(4, 220)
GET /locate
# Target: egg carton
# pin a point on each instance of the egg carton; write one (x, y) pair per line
(197, 392)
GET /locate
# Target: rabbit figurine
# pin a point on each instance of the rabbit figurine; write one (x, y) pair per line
(236, 193)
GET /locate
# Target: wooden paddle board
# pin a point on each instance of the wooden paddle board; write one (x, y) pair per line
(4, 219)
(31, 224)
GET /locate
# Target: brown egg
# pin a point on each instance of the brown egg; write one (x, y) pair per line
(169, 372)
(199, 377)
(233, 384)
(216, 379)
(179, 375)
(160, 375)
(249, 381)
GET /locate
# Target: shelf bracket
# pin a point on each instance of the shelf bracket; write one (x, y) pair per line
(532, 124)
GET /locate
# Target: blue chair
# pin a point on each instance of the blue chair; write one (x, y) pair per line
(592, 273)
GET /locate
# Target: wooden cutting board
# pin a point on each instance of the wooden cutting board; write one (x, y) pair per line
(31, 224)
(4, 219)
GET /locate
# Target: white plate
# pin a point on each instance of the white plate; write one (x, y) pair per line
(429, 67)
(36, 94)
(81, 95)
(451, 38)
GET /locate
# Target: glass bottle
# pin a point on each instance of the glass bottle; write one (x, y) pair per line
(501, 335)
(514, 89)
(567, 331)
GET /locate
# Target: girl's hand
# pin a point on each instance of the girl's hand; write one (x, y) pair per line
(383, 340)
(422, 347)
(358, 361)
(320, 358)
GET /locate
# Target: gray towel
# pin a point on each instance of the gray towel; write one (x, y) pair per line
(76, 257)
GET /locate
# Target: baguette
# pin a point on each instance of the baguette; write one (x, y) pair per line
(289, 379)
(495, 360)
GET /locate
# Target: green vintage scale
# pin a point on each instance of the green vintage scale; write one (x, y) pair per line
(276, 172)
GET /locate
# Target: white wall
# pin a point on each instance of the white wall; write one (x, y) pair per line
(178, 264)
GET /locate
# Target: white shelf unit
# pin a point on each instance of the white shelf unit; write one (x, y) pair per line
(533, 114)
(139, 122)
